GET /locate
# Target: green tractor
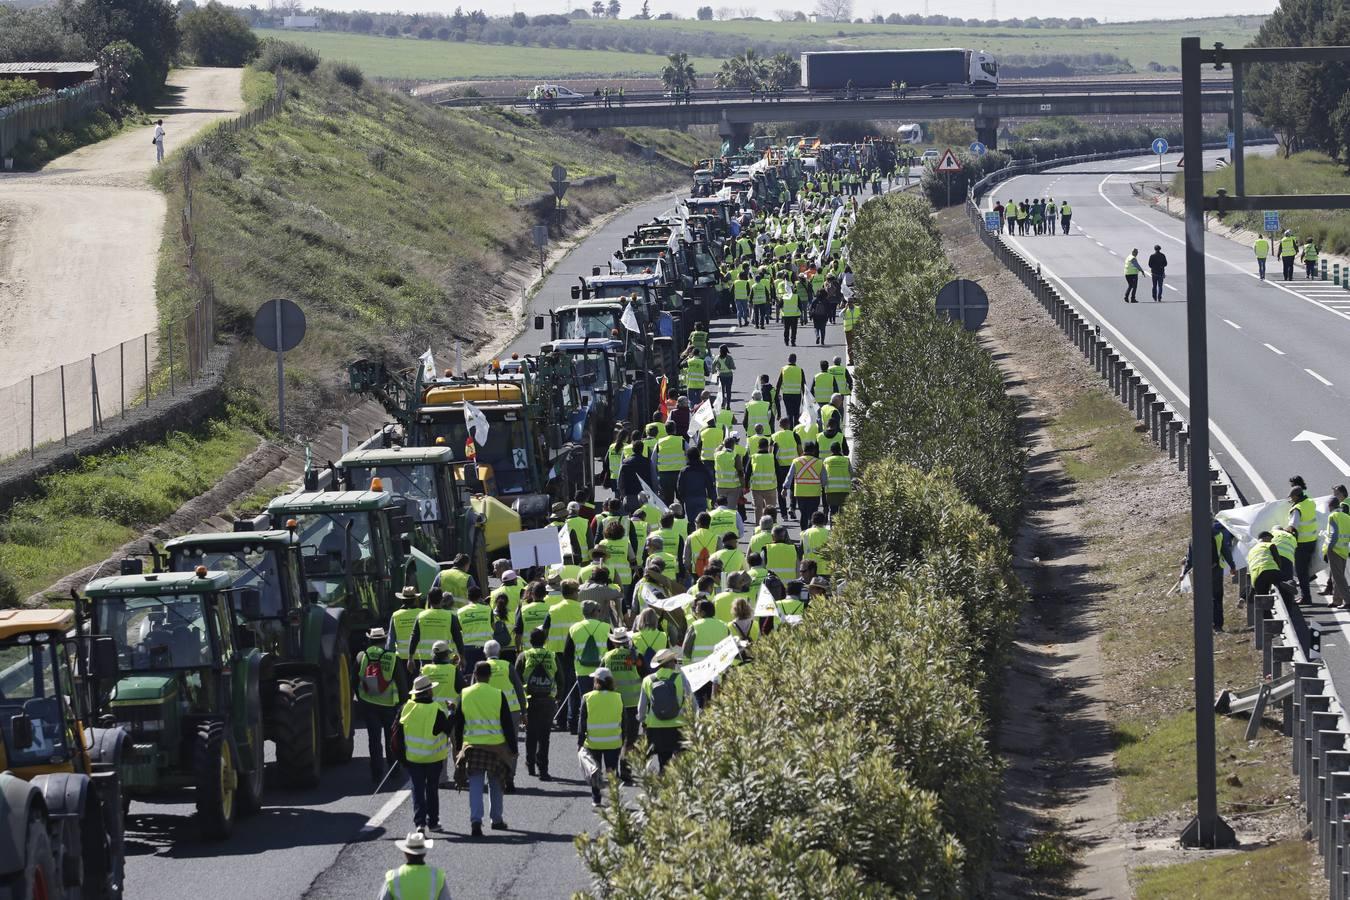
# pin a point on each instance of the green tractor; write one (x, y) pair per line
(307, 657)
(184, 686)
(356, 553)
(438, 502)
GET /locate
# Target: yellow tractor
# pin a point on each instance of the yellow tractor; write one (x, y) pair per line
(60, 794)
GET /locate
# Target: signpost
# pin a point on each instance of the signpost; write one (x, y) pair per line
(540, 235)
(1272, 220)
(559, 185)
(279, 325)
(1159, 147)
(992, 223)
(964, 301)
(947, 164)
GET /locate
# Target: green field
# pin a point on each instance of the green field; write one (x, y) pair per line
(384, 57)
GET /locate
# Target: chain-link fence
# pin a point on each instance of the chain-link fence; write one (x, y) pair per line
(98, 391)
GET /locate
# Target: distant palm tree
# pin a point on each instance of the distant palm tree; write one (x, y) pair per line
(782, 71)
(679, 75)
(745, 72)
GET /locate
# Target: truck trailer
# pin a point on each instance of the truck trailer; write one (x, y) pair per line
(874, 70)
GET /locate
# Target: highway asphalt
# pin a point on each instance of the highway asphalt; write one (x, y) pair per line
(336, 841)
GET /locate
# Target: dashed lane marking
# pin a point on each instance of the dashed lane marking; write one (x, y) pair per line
(390, 806)
(1234, 324)
(1318, 377)
(1274, 349)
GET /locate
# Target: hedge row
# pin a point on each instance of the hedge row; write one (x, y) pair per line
(850, 759)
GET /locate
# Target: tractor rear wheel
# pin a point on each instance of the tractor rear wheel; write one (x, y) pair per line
(40, 880)
(251, 781)
(339, 714)
(217, 781)
(102, 846)
(298, 732)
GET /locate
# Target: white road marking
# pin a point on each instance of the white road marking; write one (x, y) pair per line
(1113, 253)
(1169, 287)
(1140, 358)
(1318, 377)
(1098, 243)
(1234, 324)
(384, 812)
(1320, 442)
(1274, 349)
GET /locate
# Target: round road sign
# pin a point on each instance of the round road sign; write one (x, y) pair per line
(978, 149)
(964, 301)
(279, 333)
(1160, 146)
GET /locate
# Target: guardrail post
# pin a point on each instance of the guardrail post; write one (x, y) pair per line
(1183, 441)
(1116, 372)
(1259, 612)
(1339, 789)
(1305, 682)
(1324, 269)
(1314, 701)
(1323, 731)
(1145, 404)
(1336, 274)
(1155, 421)
(1282, 658)
(1335, 759)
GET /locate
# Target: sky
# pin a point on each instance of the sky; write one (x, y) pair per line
(1102, 9)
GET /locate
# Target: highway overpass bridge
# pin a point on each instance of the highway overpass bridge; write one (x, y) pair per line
(736, 115)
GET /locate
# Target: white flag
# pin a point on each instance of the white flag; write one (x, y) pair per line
(653, 496)
(714, 664)
(477, 423)
(807, 417)
(765, 605)
(834, 223)
(703, 417)
(629, 319)
(428, 366)
(565, 541)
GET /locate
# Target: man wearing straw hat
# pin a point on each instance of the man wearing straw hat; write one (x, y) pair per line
(425, 738)
(414, 878)
(665, 705)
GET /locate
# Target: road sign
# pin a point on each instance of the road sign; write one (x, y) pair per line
(992, 223)
(1272, 221)
(540, 235)
(948, 162)
(279, 325)
(978, 149)
(559, 173)
(1231, 142)
(1159, 146)
(559, 188)
(964, 301)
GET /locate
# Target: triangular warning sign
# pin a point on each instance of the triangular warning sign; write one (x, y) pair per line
(948, 162)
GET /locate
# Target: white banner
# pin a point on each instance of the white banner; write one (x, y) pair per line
(428, 365)
(668, 604)
(1246, 522)
(653, 496)
(714, 664)
(703, 417)
(765, 605)
(477, 423)
(807, 417)
(834, 223)
(565, 542)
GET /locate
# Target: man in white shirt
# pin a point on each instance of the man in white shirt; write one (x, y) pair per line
(159, 141)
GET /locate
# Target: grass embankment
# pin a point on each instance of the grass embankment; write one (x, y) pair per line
(1310, 172)
(1146, 641)
(851, 758)
(388, 221)
(79, 517)
(386, 57)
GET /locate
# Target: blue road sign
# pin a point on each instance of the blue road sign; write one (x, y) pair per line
(1272, 221)
(1231, 142)
(991, 222)
(978, 149)
(1160, 146)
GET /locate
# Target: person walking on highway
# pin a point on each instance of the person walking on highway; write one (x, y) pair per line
(1309, 256)
(791, 383)
(1303, 522)
(1262, 250)
(725, 367)
(1132, 272)
(695, 486)
(1336, 551)
(1157, 267)
(790, 310)
(1288, 253)
(1065, 215)
(377, 697)
(414, 878)
(482, 725)
(423, 731)
(538, 669)
(1224, 542)
(666, 705)
(600, 734)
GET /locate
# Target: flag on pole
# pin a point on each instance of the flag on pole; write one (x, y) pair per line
(629, 319)
(477, 423)
(428, 365)
(703, 417)
(807, 417)
(662, 403)
(653, 496)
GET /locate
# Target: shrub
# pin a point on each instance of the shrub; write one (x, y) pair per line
(348, 74)
(275, 55)
(216, 35)
(9, 591)
(16, 89)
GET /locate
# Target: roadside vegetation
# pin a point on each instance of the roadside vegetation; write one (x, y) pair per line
(391, 223)
(79, 517)
(890, 680)
(1308, 172)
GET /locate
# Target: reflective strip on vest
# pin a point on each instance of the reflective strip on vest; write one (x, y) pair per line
(561, 616)
(432, 625)
(806, 481)
(708, 633)
(409, 882)
(482, 708)
(763, 472)
(443, 676)
(1307, 520)
(475, 624)
(823, 387)
(837, 472)
(420, 743)
(501, 680)
(724, 463)
(670, 454)
(781, 560)
(616, 559)
(785, 447)
(604, 720)
(793, 379)
(694, 375)
(757, 413)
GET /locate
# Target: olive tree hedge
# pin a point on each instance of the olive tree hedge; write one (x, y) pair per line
(851, 759)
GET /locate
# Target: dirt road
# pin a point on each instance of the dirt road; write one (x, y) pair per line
(78, 247)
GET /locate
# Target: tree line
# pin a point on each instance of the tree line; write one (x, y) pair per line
(1307, 104)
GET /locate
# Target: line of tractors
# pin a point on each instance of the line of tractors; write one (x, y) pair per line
(174, 674)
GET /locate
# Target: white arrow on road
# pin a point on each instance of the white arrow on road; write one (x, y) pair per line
(1320, 442)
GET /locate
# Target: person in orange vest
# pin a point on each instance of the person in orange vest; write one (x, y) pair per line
(806, 481)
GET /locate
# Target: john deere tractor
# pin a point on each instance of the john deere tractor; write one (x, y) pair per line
(307, 657)
(60, 800)
(184, 686)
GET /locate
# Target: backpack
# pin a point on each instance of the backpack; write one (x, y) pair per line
(701, 562)
(500, 632)
(373, 677)
(590, 652)
(665, 699)
(538, 682)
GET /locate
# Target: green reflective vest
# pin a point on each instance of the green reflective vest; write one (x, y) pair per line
(851, 316)
(501, 680)
(763, 472)
(708, 441)
(561, 617)
(837, 474)
(723, 603)
(404, 619)
(785, 447)
(580, 526)
(580, 633)
(708, 633)
(455, 583)
(369, 689)
(604, 720)
(1262, 248)
(1288, 246)
(781, 560)
(724, 466)
(442, 675)
(622, 662)
(532, 615)
(616, 559)
(823, 387)
(806, 479)
(757, 413)
(759, 293)
(475, 624)
(759, 540)
(481, 705)
(813, 541)
(1260, 559)
(695, 376)
(420, 744)
(1132, 266)
(793, 379)
(1342, 522)
(432, 625)
(732, 560)
(670, 453)
(840, 374)
(664, 674)
(1307, 520)
(740, 289)
(791, 307)
(722, 520)
(409, 882)
(1284, 544)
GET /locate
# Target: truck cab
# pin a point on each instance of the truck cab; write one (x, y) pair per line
(611, 379)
